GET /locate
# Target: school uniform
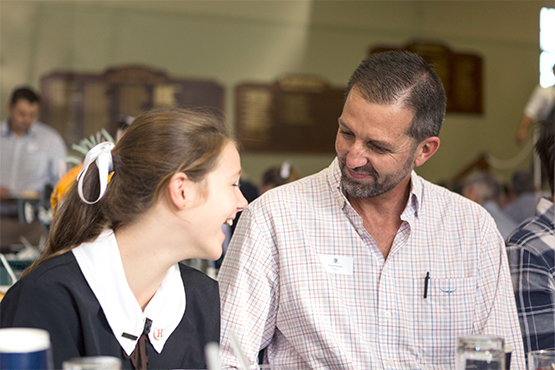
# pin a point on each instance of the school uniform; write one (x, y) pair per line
(82, 298)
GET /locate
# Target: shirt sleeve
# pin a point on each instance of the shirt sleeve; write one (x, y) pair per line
(538, 104)
(35, 304)
(496, 314)
(534, 287)
(249, 291)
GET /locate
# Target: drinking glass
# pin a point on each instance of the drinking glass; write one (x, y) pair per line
(92, 363)
(480, 352)
(25, 348)
(541, 360)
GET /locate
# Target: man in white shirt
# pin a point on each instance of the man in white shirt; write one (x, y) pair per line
(32, 155)
(365, 265)
(539, 107)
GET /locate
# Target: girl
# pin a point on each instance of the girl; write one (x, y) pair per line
(109, 282)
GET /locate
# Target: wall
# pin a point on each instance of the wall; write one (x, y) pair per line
(238, 41)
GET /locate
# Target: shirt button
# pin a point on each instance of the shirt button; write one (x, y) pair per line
(360, 231)
(158, 333)
(390, 362)
(387, 314)
(384, 270)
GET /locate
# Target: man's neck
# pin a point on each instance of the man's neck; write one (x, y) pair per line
(16, 133)
(381, 215)
(391, 203)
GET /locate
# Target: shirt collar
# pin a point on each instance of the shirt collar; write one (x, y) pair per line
(545, 208)
(5, 130)
(100, 262)
(413, 205)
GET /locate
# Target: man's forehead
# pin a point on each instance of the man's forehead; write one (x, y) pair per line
(25, 104)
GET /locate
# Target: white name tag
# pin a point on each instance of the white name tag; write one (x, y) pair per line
(337, 264)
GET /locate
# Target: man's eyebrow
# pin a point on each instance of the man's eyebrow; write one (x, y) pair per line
(342, 124)
(380, 143)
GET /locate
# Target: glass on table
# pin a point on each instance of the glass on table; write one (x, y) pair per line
(541, 360)
(93, 363)
(25, 348)
(480, 352)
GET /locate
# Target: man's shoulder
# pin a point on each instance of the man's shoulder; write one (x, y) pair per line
(309, 189)
(44, 129)
(536, 232)
(439, 195)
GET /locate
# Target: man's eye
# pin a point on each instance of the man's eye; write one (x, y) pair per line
(345, 133)
(377, 148)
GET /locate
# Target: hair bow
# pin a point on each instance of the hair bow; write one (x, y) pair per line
(101, 154)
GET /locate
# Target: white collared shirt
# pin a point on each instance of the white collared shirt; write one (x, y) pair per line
(30, 161)
(304, 279)
(101, 264)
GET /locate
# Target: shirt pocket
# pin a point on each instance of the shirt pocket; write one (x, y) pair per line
(445, 314)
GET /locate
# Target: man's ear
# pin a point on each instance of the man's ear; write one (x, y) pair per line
(9, 108)
(425, 150)
(178, 189)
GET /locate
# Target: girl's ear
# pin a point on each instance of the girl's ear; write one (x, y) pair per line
(179, 189)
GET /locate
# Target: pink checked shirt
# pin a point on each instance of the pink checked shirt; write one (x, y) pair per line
(303, 278)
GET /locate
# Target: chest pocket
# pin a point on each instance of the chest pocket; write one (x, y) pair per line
(441, 317)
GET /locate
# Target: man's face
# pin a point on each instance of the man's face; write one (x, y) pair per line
(22, 115)
(374, 151)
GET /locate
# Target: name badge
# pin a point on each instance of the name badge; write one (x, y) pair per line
(342, 265)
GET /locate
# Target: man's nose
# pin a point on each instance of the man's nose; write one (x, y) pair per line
(356, 156)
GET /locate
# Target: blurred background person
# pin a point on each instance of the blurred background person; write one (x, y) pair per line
(540, 106)
(276, 176)
(524, 197)
(531, 253)
(485, 189)
(32, 157)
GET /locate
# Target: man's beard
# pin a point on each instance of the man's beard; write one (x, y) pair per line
(378, 186)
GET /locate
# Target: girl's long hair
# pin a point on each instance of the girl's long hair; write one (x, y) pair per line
(159, 144)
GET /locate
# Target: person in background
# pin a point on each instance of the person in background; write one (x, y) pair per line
(485, 189)
(276, 176)
(531, 253)
(32, 156)
(366, 265)
(525, 199)
(540, 106)
(109, 282)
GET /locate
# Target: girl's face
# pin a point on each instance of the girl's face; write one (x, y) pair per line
(223, 201)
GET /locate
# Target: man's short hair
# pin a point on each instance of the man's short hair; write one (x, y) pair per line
(24, 93)
(544, 148)
(403, 77)
(522, 181)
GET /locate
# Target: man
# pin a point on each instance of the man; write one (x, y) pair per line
(531, 252)
(524, 204)
(540, 106)
(32, 155)
(365, 265)
(485, 189)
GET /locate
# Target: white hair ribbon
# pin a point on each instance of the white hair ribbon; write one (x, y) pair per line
(101, 154)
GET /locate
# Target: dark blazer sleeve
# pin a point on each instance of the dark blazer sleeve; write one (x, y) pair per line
(44, 304)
